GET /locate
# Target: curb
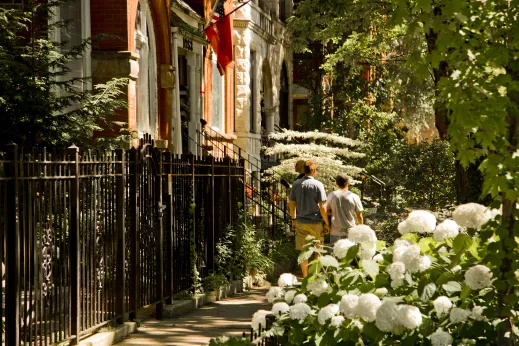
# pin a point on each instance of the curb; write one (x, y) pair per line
(182, 307)
(111, 337)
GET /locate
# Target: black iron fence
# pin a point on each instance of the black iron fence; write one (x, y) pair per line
(90, 237)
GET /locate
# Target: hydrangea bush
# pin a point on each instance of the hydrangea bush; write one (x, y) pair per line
(436, 285)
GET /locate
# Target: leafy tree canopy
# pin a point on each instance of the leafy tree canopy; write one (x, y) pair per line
(41, 103)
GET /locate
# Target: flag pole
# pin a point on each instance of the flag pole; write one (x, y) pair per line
(228, 14)
(212, 13)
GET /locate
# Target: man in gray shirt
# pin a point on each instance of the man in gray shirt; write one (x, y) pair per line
(345, 208)
(307, 208)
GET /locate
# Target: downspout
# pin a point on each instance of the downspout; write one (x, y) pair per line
(176, 126)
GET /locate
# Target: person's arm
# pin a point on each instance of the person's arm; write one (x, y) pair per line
(324, 215)
(360, 218)
(292, 205)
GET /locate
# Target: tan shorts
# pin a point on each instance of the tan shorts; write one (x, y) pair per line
(305, 229)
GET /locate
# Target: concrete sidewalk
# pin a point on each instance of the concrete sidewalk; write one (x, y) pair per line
(231, 316)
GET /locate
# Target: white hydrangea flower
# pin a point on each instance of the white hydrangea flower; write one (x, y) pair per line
(401, 243)
(341, 247)
(471, 215)
(378, 258)
(386, 317)
(477, 313)
(299, 311)
(300, 298)
(367, 250)
(442, 304)
(328, 261)
(424, 263)
(259, 319)
(368, 306)
(275, 293)
(370, 267)
(418, 221)
(287, 280)
(409, 316)
(478, 277)
(440, 338)
(410, 257)
(445, 230)
(280, 308)
(318, 287)
(381, 291)
(456, 268)
(357, 323)
(327, 313)
(396, 271)
(397, 283)
(348, 305)
(362, 234)
(337, 321)
(309, 238)
(458, 315)
(289, 296)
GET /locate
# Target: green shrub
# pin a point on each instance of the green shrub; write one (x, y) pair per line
(214, 281)
(241, 250)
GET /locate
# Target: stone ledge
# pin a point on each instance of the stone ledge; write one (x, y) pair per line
(111, 337)
(182, 307)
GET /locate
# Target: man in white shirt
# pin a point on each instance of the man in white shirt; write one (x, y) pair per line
(345, 208)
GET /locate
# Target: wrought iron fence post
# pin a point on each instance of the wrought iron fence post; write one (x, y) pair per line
(244, 177)
(74, 246)
(231, 207)
(159, 308)
(134, 231)
(168, 231)
(12, 250)
(120, 245)
(213, 202)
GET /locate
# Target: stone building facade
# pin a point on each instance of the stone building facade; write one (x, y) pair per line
(263, 90)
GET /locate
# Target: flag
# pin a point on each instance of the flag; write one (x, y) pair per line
(219, 33)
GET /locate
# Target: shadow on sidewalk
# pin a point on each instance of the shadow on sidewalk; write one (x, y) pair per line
(231, 316)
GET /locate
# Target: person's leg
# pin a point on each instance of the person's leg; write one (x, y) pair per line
(304, 268)
(317, 231)
(300, 243)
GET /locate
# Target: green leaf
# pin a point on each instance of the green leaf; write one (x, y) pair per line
(425, 244)
(411, 236)
(295, 336)
(451, 287)
(303, 256)
(426, 291)
(352, 252)
(465, 292)
(461, 243)
(323, 300)
(372, 332)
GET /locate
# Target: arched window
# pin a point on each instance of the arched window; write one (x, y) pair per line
(147, 78)
(283, 98)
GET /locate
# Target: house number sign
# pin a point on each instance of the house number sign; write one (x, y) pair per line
(187, 44)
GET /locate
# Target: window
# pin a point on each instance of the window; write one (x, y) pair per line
(252, 108)
(218, 98)
(77, 14)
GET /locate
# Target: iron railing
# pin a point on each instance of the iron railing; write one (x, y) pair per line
(265, 201)
(90, 237)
